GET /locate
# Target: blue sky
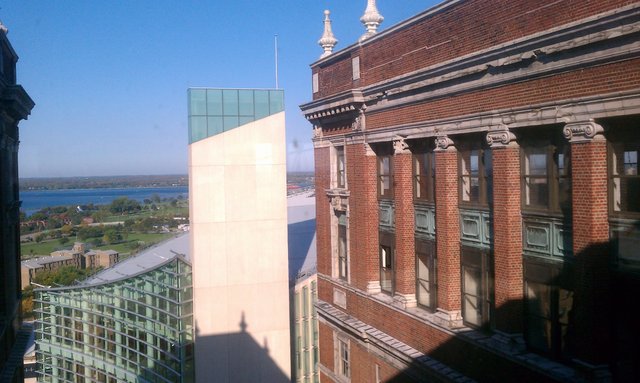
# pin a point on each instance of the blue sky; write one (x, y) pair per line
(110, 77)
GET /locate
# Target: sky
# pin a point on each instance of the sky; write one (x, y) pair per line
(109, 77)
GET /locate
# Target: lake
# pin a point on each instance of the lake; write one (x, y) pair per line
(34, 200)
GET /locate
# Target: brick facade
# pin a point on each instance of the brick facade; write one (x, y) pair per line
(532, 241)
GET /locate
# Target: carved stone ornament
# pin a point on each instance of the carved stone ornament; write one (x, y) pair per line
(359, 122)
(317, 131)
(400, 145)
(339, 203)
(583, 131)
(443, 142)
(500, 138)
(368, 150)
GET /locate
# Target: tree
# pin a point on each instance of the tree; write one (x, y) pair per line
(63, 240)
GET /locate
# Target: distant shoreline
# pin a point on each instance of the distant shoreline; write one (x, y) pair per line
(114, 182)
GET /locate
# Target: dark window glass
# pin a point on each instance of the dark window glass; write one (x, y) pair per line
(625, 180)
(342, 246)
(424, 171)
(548, 305)
(476, 174)
(385, 176)
(386, 267)
(546, 174)
(477, 287)
(340, 167)
(426, 287)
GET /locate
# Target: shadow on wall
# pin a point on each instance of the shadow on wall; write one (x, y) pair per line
(299, 236)
(577, 314)
(237, 357)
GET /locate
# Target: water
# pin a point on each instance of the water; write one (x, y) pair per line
(34, 200)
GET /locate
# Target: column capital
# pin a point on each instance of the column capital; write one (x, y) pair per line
(317, 131)
(400, 145)
(368, 151)
(583, 131)
(501, 138)
(443, 142)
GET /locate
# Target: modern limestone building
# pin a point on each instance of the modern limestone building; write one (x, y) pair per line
(129, 323)
(304, 286)
(15, 105)
(480, 161)
(238, 213)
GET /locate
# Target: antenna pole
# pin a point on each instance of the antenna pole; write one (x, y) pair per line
(276, 51)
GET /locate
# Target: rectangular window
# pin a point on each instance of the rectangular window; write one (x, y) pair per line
(343, 362)
(387, 261)
(546, 176)
(625, 179)
(424, 170)
(476, 174)
(426, 287)
(342, 246)
(548, 303)
(477, 287)
(340, 167)
(385, 176)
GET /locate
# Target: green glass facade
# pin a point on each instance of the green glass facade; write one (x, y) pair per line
(213, 111)
(136, 329)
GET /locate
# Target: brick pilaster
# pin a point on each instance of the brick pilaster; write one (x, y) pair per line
(507, 232)
(363, 207)
(448, 229)
(323, 210)
(590, 310)
(405, 275)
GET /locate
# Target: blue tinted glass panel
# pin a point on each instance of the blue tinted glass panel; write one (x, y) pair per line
(197, 128)
(197, 102)
(230, 122)
(276, 101)
(246, 120)
(214, 102)
(230, 102)
(245, 98)
(214, 126)
(261, 98)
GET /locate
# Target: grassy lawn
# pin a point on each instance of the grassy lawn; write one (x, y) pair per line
(46, 247)
(182, 210)
(42, 248)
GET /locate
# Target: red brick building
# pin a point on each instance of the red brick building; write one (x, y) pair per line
(478, 196)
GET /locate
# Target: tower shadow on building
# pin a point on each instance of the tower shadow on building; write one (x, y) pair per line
(238, 357)
(595, 334)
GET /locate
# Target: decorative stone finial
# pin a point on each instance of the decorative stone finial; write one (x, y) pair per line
(3, 28)
(327, 41)
(371, 19)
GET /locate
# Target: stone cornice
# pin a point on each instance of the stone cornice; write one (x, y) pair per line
(16, 102)
(562, 111)
(343, 105)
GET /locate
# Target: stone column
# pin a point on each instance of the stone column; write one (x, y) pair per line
(448, 234)
(405, 267)
(589, 315)
(507, 238)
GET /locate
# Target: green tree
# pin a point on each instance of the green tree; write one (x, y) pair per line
(63, 240)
